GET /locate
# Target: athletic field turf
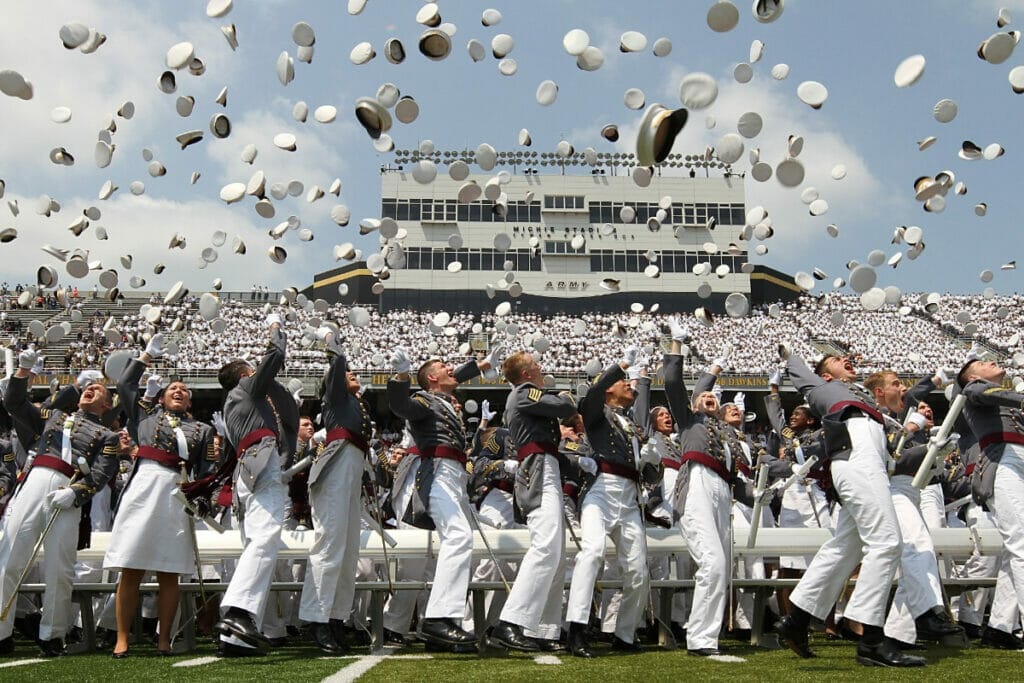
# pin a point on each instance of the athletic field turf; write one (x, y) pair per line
(300, 663)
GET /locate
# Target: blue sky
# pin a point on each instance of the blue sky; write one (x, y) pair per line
(867, 123)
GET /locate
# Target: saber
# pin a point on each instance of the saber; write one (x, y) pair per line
(487, 544)
(83, 471)
(195, 541)
(759, 495)
(956, 504)
(300, 466)
(190, 507)
(923, 475)
(800, 473)
(385, 538)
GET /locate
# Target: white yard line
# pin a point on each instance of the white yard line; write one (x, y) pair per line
(547, 659)
(21, 662)
(198, 661)
(359, 667)
(728, 659)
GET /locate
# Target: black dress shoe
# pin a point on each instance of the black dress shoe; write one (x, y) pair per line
(511, 636)
(795, 636)
(350, 635)
(278, 642)
(619, 645)
(936, 625)
(886, 654)
(394, 638)
(904, 646)
(547, 645)
(704, 652)
(7, 645)
(444, 631)
(323, 636)
(577, 641)
(52, 648)
(845, 632)
(106, 638)
(239, 623)
(28, 625)
(1000, 640)
(119, 655)
(679, 632)
(973, 631)
(231, 650)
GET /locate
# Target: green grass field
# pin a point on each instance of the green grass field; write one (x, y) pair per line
(302, 663)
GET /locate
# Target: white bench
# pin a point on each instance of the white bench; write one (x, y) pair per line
(512, 544)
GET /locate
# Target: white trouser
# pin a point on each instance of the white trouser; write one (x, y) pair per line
(1007, 505)
(401, 605)
(535, 602)
(800, 502)
(866, 532)
(495, 513)
(23, 525)
(263, 516)
(1004, 614)
(92, 572)
(752, 566)
(449, 506)
(610, 510)
(919, 588)
(329, 588)
(933, 506)
(661, 565)
(705, 526)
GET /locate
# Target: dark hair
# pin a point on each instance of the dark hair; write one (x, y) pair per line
(961, 377)
(231, 373)
(421, 374)
(808, 415)
(819, 367)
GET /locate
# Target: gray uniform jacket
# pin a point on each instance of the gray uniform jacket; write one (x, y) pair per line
(782, 438)
(533, 417)
(488, 458)
(702, 438)
(996, 418)
(833, 402)
(154, 430)
(89, 438)
(611, 432)
(346, 416)
(436, 430)
(259, 402)
(8, 471)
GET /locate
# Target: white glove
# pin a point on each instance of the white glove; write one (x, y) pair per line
(649, 454)
(784, 350)
(298, 396)
(217, 420)
(27, 358)
(975, 353)
(286, 477)
(486, 414)
(319, 437)
(775, 379)
(645, 497)
(588, 464)
(676, 329)
(723, 358)
(944, 376)
(61, 499)
(630, 355)
(916, 419)
(324, 333)
(510, 466)
(740, 401)
(87, 377)
(153, 386)
(37, 369)
(274, 318)
(400, 360)
(155, 347)
(633, 371)
(496, 355)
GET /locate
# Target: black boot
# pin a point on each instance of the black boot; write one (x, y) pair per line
(577, 640)
(1000, 640)
(935, 625)
(511, 636)
(52, 648)
(795, 636)
(323, 636)
(240, 624)
(445, 632)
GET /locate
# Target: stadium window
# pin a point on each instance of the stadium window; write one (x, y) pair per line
(738, 215)
(450, 209)
(688, 214)
(388, 208)
(414, 210)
